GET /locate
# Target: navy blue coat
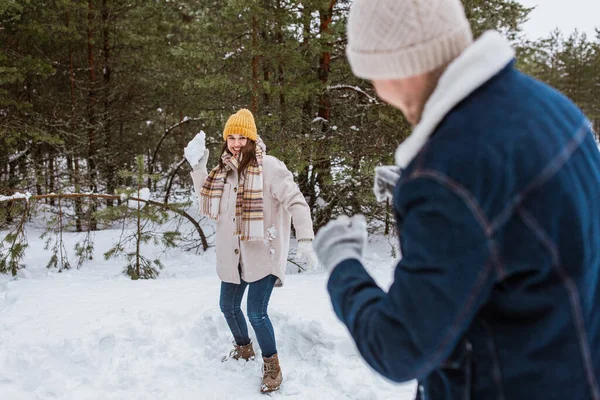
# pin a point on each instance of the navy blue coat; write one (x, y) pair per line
(497, 295)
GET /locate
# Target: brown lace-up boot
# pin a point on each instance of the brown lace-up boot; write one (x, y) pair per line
(241, 352)
(272, 377)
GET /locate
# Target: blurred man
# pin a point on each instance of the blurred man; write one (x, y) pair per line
(497, 295)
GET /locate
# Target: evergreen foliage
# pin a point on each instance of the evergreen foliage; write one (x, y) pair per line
(146, 217)
(87, 85)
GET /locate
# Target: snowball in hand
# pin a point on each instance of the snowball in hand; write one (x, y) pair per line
(195, 149)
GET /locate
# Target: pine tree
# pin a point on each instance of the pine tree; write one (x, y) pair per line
(143, 215)
(86, 85)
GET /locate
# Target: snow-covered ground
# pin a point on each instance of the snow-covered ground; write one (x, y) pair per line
(95, 334)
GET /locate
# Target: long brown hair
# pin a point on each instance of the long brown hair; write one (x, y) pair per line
(248, 155)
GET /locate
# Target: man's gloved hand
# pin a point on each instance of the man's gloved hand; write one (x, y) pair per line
(305, 250)
(386, 178)
(341, 239)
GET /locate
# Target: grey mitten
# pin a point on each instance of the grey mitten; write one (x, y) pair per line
(386, 178)
(202, 162)
(306, 251)
(341, 239)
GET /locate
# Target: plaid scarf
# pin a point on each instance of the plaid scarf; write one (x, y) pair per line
(249, 203)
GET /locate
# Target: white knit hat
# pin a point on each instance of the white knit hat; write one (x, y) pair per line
(395, 39)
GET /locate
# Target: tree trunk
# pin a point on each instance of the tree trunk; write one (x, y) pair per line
(37, 170)
(51, 175)
(109, 157)
(12, 182)
(72, 159)
(138, 237)
(78, 205)
(91, 113)
(305, 183)
(281, 76)
(255, 59)
(264, 38)
(322, 168)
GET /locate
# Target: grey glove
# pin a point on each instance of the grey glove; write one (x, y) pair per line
(386, 178)
(341, 239)
(305, 251)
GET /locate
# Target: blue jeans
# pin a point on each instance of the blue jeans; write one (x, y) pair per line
(258, 301)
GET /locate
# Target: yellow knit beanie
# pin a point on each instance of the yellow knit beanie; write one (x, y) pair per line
(241, 123)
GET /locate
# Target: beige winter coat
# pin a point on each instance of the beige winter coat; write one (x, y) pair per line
(282, 202)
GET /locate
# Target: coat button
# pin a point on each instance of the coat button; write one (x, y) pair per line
(235, 190)
(236, 251)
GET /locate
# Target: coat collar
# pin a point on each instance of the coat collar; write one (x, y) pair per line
(475, 66)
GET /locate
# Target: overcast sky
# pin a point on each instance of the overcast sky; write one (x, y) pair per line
(564, 14)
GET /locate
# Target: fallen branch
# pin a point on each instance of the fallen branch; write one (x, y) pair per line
(18, 197)
(300, 267)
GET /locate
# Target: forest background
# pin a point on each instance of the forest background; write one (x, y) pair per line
(98, 98)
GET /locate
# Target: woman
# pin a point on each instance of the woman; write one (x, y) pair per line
(253, 197)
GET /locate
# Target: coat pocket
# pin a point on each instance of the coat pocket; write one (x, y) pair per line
(225, 198)
(454, 378)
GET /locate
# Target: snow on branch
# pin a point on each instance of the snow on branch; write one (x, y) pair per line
(355, 89)
(14, 157)
(16, 196)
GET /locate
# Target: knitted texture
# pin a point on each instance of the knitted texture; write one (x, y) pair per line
(395, 39)
(249, 210)
(241, 123)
